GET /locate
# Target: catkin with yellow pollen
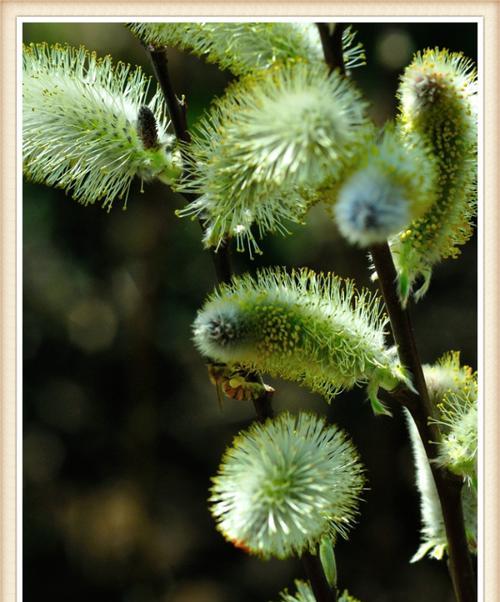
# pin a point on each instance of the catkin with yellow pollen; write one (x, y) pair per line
(453, 391)
(311, 328)
(88, 126)
(438, 102)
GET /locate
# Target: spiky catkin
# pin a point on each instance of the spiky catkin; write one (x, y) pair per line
(433, 532)
(246, 47)
(315, 329)
(453, 390)
(393, 183)
(84, 125)
(265, 147)
(438, 103)
(304, 593)
(283, 485)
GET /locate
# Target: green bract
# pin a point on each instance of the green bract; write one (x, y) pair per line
(267, 145)
(246, 47)
(87, 127)
(284, 484)
(311, 328)
(438, 103)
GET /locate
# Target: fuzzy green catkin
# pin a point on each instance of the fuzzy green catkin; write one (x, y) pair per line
(285, 484)
(246, 47)
(314, 329)
(392, 183)
(267, 145)
(438, 103)
(88, 127)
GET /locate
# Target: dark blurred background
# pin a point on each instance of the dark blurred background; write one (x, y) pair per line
(122, 429)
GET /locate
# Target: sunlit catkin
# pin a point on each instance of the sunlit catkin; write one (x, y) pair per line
(315, 329)
(267, 145)
(88, 127)
(285, 484)
(438, 103)
(453, 391)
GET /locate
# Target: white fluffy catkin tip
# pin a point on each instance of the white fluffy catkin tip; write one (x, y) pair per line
(394, 183)
(370, 208)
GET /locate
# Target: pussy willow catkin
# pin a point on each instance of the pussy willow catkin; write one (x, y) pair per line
(246, 47)
(438, 103)
(87, 126)
(285, 484)
(453, 390)
(264, 148)
(311, 328)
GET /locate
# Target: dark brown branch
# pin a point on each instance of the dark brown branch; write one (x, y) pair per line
(175, 108)
(321, 589)
(448, 486)
(332, 45)
(404, 338)
(222, 257)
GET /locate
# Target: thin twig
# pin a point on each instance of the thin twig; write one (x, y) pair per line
(331, 40)
(448, 486)
(222, 257)
(177, 110)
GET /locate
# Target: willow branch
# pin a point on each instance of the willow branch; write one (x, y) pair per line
(177, 110)
(331, 40)
(222, 258)
(448, 486)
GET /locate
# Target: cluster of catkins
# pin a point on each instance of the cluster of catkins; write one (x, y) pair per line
(287, 133)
